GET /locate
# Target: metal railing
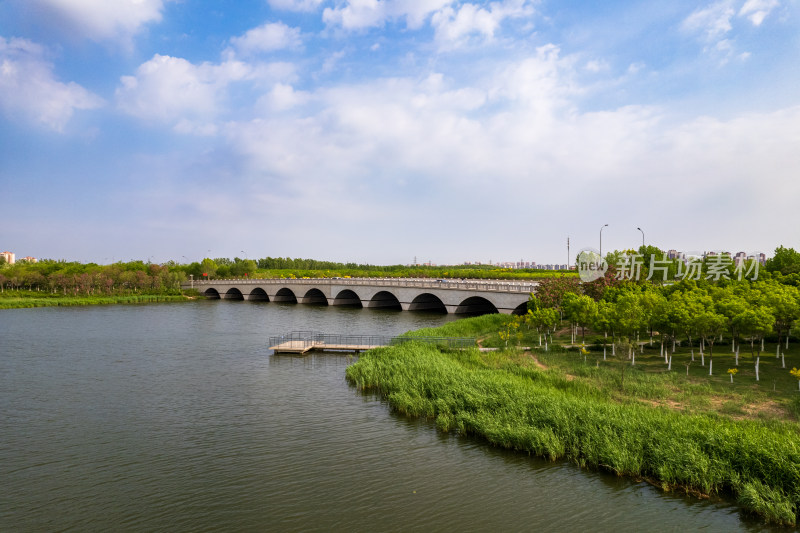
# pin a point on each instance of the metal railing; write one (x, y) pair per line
(311, 339)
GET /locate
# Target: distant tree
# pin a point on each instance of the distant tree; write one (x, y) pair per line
(208, 268)
(786, 261)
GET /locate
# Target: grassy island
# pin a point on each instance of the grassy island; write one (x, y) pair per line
(680, 429)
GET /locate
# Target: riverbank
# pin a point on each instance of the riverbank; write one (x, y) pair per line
(563, 405)
(28, 299)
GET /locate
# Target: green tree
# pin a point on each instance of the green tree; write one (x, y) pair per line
(786, 261)
(709, 325)
(543, 320)
(755, 322)
(730, 305)
(208, 268)
(628, 318)
(784, 303)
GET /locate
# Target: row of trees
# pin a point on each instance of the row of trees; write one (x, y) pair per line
(92, 279)
(699, 314)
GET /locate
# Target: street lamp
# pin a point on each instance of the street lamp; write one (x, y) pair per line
(640, 229)
(601, 241)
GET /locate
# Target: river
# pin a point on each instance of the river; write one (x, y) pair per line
(176, 417)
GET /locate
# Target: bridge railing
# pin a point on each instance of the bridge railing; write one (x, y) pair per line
(308, 339)
(483, 285)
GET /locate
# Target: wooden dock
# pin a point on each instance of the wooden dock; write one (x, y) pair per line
(301, 342)
(302, 347)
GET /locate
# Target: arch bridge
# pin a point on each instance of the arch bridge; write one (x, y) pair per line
(449, 296)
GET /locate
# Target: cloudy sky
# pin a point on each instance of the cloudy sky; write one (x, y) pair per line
(382, 130)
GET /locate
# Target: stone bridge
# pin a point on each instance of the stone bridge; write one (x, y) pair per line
(450, 296)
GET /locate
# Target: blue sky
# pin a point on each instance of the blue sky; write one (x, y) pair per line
(382, 130)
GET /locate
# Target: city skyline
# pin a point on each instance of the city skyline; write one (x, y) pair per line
(375, 131)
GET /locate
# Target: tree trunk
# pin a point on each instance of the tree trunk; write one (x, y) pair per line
(757, 361)
(669, 366)
(783, 360)
(604, 352)
(710, 365)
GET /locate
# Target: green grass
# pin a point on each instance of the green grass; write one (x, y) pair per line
(694, 433)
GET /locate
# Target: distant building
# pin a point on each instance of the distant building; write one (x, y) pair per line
(675, 254)
(10, 257)
(29, 259)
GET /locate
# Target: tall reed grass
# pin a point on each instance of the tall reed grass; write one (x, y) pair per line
(519, 407)
(20, 303)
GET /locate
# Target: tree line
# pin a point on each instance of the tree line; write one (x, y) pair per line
(91, 279)
(695, 314)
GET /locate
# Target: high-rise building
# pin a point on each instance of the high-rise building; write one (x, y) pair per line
(10, 257)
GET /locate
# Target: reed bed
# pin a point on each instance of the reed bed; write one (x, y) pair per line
(21, 303)
(512, 403)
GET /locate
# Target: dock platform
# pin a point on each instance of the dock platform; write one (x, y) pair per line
(302, 342)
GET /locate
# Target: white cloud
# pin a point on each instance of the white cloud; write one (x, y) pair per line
(713, 21)
(104, 19)
(360, 14)
(29, 89)
(295, 5)
(267, 38)
(173, 90)
(282, 97)
(455, 26)
(715, 24)
(512, 141)
(757, 10)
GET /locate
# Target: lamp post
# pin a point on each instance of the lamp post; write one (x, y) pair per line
(601, 241)
(640, 229)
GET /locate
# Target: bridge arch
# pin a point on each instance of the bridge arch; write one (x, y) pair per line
(521, 309)
(316, 297)
(347, 297)
(384, 300)
(285, 295)
(476, 305)
(427, 302)
(234, 294)
(258, 294)
(211, 293)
